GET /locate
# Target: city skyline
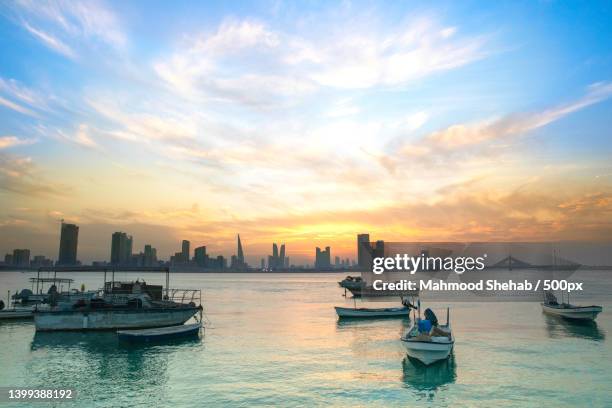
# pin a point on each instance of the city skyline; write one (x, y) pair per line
(417, 122)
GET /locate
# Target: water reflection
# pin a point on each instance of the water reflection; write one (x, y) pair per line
(429, 378)
(558, 327)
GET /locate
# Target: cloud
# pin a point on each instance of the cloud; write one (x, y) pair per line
(81, 137)
(16, 107)
(459, 137)
(65, 26)
(248, 63)
(50, 41)
(10, 141)
(19, 175)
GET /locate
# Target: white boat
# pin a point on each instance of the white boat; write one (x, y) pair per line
(572, 311)
(160, 333)
(373, 312)
(567, 310)
(16, 313)
(429, 347)
(122, 305)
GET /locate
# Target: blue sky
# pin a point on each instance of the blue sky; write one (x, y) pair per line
(273, 119)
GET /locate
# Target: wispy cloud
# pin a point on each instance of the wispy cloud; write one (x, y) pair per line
(461, 136)
(65, 26)
(275, 65)
(11, 141)
(51, 41)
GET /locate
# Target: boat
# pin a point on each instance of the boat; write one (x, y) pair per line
(160, 333)
(16, 313)
(429, 344)
(122, 305)
(568, 311)
(372, 312)
(359, 288)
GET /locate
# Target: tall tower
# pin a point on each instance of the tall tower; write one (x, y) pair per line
(185, 251)
(281, 260)
(364, 255)
(240, 253)
(69, 239)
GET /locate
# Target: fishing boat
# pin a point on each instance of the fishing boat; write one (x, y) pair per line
(372, 312)
(160, 333)
(428, 342)
(360, 288)
(14, 312)
(122, 305)
(568, 311)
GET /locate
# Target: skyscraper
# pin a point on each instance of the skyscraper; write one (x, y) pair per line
(323, 258)
(281, 257)
(21, 257)
(364, 255)
(200, 256)
(240, 254)
(69, 238)
(121, 248)
(185, 251)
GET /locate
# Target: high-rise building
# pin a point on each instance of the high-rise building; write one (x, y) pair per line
(323, 258)
(337, 261)
(185, 251)
(200, 256)
(281, 256)
(121, 248)
(21, 257)
(240, 253)
(263, 264)
(8, 259)
(277, 260)
(364, 254)
(69, 239)
(150, 256)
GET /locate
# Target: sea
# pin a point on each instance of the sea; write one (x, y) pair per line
(275, 340)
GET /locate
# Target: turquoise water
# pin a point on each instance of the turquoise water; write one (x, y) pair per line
(275, 340)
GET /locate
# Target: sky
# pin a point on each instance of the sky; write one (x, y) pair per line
(303, 123)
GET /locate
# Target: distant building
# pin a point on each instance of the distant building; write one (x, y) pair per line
(121, 249)
(69, 239)
(185, 251)
(237, 262)
(337, 261)
(150, 256)
(323, 258)
(277, 260)
(40, 261)
(200, 256)
(8, 259)
(364, 255)
(263, 264)
(21, 257)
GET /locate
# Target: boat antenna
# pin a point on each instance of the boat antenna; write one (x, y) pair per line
(447, 315)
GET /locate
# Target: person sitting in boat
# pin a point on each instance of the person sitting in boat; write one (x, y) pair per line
(435, 327)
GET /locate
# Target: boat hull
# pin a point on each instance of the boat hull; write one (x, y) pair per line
(428, 352)
(15, 314)
(78, 320)
(573, 313)
(364, 313)
(164, 333)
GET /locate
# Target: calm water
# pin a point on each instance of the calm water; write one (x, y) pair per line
(275, 340)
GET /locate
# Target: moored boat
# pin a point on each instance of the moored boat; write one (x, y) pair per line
(429, 342)
(16, 313)
(160, 333)
(122, 305)
(567, 310)
(372, 312)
